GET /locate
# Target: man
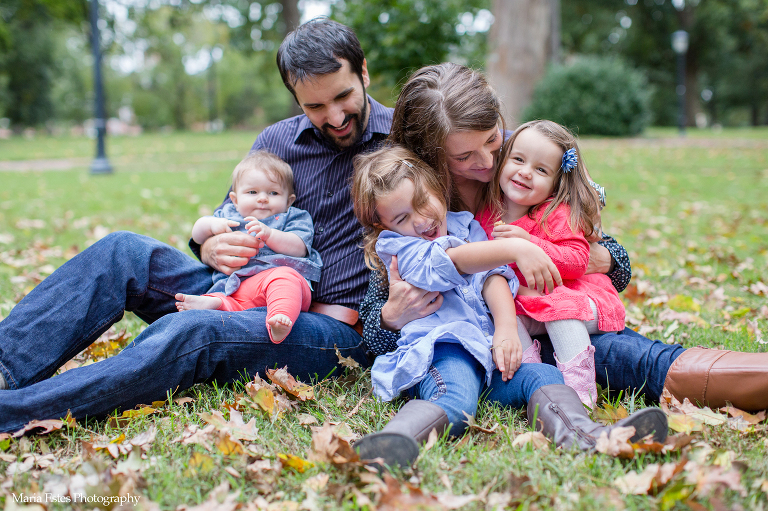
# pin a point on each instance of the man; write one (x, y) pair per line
(323, 65)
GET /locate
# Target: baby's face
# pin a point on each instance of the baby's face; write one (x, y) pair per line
(259, 196)
(398, 214)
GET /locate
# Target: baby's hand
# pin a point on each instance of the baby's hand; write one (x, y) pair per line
(222, 225)
(258, 229)
(502, 230)
(507, 352)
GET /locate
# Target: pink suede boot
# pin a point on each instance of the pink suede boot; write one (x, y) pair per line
(579, 374)
(532, 355)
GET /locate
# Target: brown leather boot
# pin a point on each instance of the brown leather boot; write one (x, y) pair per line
(562, 418)
(713, 377)
(398, 443)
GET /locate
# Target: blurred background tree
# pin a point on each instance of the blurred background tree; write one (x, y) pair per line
(208, 64)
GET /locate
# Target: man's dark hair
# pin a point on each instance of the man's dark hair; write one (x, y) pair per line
(314, 49)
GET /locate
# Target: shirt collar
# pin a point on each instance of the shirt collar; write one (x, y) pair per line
(379, 122)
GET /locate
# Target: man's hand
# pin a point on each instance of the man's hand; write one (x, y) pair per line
(539, 271)
(406, 302)
(507, 352)
(600, 260)
(229, 251)
(510, 231)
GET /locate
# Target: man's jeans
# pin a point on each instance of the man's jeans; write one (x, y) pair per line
(456, 379)
(125, 271)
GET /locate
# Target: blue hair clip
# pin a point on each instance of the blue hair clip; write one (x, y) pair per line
(570, 160)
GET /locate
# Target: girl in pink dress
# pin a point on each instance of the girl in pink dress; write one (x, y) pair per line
(543, 195)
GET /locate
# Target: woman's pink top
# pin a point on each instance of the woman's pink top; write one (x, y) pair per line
(569, 251)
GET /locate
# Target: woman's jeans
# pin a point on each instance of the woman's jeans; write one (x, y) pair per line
(70, 309)
(456, 379)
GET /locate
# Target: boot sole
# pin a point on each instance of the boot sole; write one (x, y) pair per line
(647, 421)
(395, 449)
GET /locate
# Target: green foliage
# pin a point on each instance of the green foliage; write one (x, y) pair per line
(400, 36)
(593, 96)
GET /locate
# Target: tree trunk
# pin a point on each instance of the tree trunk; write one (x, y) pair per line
(291, 19)
(524, 37)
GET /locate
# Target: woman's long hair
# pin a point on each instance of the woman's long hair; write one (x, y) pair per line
(571, 188)
(377, 174)
(437, 101)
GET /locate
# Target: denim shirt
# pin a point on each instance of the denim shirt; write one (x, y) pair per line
(296, 221)
(462, 318)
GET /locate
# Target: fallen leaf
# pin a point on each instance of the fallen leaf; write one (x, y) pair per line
(46, 425)
(306, 419)
(534, 438)
(393, 498)
(235, 427)
(750, 418)
(608, 414)
(286, 381)
(348, 362)
(183, 400)
(294, 462)
(192, 434)
(128, 415)
(228, 445)
(201, 463)
(616, 443)
(473, 425)
(684, 423)
(329, 447)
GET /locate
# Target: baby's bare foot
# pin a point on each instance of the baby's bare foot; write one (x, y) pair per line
(194, 302)
(279, 326)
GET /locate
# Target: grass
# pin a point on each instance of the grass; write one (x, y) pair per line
(692, 213)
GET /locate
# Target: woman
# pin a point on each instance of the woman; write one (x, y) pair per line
(449, 116)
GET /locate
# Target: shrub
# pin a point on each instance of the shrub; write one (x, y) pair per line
(593, 96)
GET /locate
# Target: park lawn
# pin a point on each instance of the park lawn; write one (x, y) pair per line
(692, 213)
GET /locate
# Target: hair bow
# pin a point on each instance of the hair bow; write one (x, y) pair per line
(570, 160)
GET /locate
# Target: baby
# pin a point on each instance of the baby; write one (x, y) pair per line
(277, 277)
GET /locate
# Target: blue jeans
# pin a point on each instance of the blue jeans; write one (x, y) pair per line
(126, 271)
(627, 360)
(456, 379)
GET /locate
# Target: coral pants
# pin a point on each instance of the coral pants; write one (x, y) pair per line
(282, 290)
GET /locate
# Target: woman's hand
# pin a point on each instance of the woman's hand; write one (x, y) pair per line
(507, 352)
(600, 260)
(406, 302)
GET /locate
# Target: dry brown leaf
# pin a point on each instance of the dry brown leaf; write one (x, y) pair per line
(306, 419)
(534, 438)
(286, 381)
(46, 425)
(348, 362)
(329, 447)
(616, 443)
(393, 498)
(220, 499)
(183, 400)
(236, 428)
(229, 445)
(128, 415)
(431, 440)
(192, 434)
(753, 419)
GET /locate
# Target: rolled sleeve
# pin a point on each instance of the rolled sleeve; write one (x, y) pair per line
(621, 270)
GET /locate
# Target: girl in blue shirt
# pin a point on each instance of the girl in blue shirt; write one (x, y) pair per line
(447, 359)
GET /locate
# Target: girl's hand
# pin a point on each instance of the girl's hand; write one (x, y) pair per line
(222, 225)
(510, 231)
(538, 270)
(257, 229)
(507, 352)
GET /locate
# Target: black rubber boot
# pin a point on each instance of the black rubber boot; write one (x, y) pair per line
(561, 416)
(398, 443)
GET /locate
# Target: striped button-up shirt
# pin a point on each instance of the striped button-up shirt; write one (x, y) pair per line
(322, 177)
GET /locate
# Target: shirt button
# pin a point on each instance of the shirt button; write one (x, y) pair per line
(464, 290)
(320, 229)
(330, 194)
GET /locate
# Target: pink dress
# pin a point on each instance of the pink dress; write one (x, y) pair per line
(569, 251)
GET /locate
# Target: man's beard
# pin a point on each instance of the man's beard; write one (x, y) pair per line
(357, 130)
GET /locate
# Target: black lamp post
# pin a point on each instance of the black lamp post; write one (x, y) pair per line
(100, 164)
(680, 46)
